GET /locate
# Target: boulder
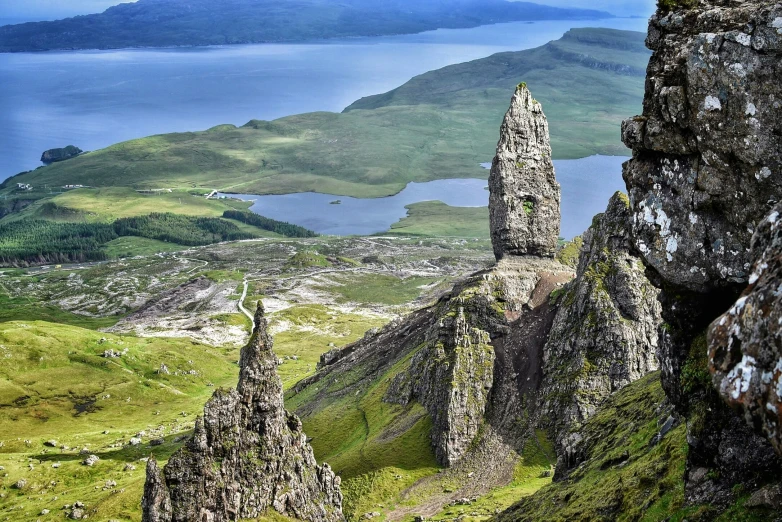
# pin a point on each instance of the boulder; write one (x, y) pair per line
(55, 155)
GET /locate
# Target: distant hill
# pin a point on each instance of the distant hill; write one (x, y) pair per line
(163, 23)
(441, 124)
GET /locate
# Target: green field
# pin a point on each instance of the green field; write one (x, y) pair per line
(439, 125)
(56, 385)
(434, 218)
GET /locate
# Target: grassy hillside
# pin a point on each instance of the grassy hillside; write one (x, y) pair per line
(55, 384)
(157, 23)
(439, 125)
(435, 218)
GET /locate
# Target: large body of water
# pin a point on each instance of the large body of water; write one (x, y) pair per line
(587, 184)
(93, 99)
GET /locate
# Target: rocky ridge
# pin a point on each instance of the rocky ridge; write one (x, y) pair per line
(493, 360)
(705, 174)
(247, 455)
(604, 335)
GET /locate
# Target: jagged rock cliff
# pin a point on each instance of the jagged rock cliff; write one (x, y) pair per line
(247, 455)
(524, 193)
(484, 360)
(707, 150)
(451, 377)
(480, 364)
(745, 344)
(706, 170)
(604, 335)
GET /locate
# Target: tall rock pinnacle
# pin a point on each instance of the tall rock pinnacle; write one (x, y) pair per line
(247, 456)
(524, 193)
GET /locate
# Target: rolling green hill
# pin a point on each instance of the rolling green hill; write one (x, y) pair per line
(157, 23)
(439, 125)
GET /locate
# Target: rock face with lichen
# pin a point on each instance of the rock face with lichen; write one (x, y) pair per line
(604, 335)
(745, 344)
(707, 162)
(247, 456)
(524, 193)
(706, 170)
(451, 377)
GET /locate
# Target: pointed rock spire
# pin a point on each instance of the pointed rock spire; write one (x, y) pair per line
(524, 193)
(247, 455)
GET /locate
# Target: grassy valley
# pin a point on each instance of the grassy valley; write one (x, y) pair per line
(99, 355)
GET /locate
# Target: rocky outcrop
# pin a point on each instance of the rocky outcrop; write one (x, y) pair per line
(247, 455)
(451, 377)
(604, 335)
(745, 344)
(706, 170)
(479, 366)
(524, 193)
(707, 163)
(55, 155)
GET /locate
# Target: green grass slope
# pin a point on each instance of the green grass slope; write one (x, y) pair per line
(623, 476)
(439, 125)
(435, 218)
(55, 384)
(588, 82)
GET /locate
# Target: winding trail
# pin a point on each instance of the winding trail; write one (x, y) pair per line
(241, 304)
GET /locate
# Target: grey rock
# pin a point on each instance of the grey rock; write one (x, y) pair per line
(91, 460)
(247, 455)
(706, 170)
(54, 155)
(769, 497)
(745, 344)
(604, 335)
(451, 377)
(20, 484)
(524, 194)
(707, 162)
(50, 443)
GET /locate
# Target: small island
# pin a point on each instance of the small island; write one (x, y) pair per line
(336, 202)
(55, 155)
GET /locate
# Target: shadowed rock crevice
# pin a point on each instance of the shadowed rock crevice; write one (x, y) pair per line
(247, 455)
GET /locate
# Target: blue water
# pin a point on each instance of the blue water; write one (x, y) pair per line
(587, 184)
(93, 99)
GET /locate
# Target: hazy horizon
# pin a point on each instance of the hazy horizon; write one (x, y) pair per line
(41, 10)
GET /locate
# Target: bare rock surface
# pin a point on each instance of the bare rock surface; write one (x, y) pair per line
(745, 344)
(707, 162)
(604, 335)
(524, 193)
(706, 171)
(247, 455)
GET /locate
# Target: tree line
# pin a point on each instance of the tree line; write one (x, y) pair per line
(37, 241)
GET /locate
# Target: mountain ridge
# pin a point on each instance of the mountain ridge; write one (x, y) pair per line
(163, 23)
